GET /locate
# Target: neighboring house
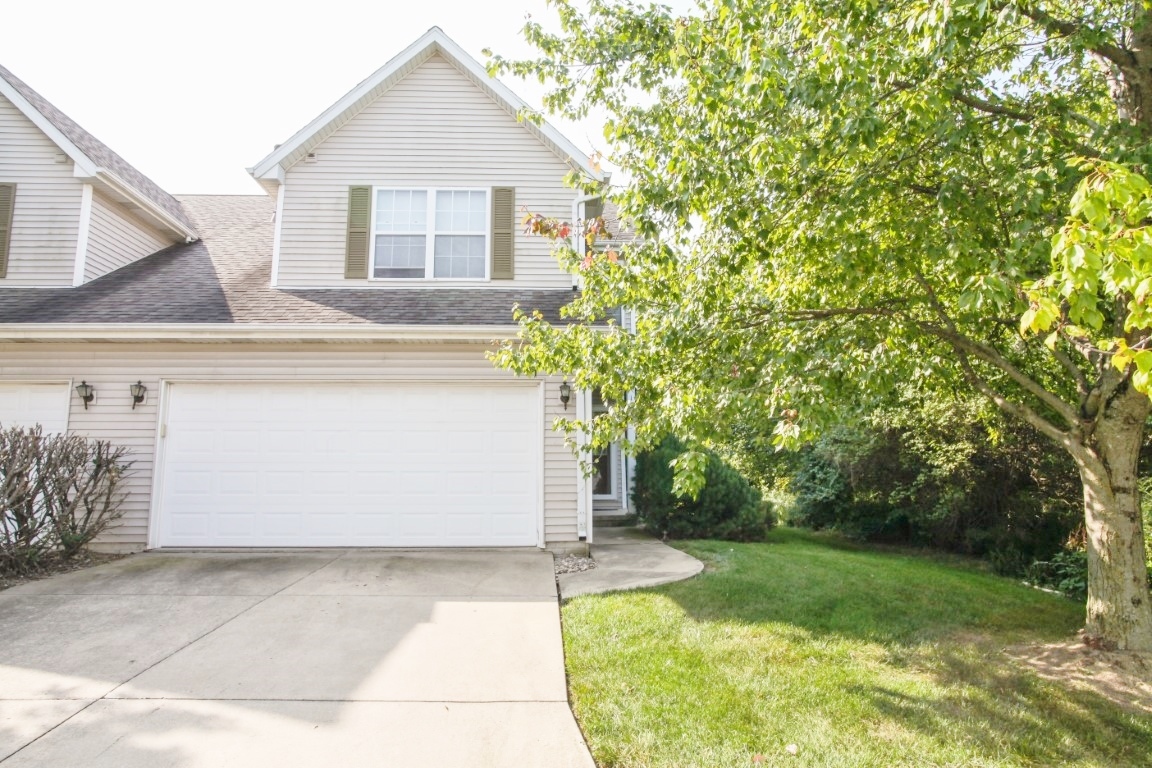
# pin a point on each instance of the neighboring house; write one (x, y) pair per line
(313, 358)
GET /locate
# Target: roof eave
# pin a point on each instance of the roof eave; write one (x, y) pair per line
(161, 216)
(252, 332)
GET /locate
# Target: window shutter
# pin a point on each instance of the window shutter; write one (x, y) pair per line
(593, 208)
(7, 203)
(359, 216)
(503, 232)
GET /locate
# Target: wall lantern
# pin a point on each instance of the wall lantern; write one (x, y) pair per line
(86, 392)
(138, 391)
(565, 393)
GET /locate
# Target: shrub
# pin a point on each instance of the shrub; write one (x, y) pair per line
(1066, 571)
(944, 476)
(25, 527)
(57, 493)
(728, 507)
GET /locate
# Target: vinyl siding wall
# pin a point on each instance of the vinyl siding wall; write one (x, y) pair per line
(46, 218)
(435, 128)
(116, 238)
(112, 368)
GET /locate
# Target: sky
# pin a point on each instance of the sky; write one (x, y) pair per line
(192, 93)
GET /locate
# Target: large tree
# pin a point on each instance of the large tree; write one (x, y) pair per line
(833, 196)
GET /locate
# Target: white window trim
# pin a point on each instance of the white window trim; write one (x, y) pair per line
(430, 237)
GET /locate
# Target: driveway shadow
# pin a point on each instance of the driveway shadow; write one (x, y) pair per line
(235, 646)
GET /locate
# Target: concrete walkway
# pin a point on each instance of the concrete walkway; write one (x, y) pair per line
(352, 658)
(628, 558)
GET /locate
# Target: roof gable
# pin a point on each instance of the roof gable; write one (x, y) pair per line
(270, 170)
(93, 158)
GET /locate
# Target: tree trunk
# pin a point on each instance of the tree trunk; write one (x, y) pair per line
(1119, 605)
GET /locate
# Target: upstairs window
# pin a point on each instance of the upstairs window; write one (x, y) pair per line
(430, 233)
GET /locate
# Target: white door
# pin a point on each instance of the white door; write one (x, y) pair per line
(316, 464)
(24, 405)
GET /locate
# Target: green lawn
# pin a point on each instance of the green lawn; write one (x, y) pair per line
(857, 657)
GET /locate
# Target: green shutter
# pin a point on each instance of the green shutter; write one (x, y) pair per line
(7, 203)
(593, 209)
(503, 232)
(356, 248)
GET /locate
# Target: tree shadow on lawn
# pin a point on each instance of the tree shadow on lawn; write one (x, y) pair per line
(995, 708)
(936, 632)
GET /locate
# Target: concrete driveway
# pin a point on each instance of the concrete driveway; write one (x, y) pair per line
(350, 657)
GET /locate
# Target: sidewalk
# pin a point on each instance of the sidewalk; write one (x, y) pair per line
(628, 558)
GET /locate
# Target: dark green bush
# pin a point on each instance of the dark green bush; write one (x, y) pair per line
(1066, 571)
(941, 476)
(728, 507)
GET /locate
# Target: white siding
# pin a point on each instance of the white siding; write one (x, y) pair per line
(435, 128)
(112, 368)
(116, 238)
(46, 217)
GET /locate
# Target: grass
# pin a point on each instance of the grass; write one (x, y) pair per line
(856, 657)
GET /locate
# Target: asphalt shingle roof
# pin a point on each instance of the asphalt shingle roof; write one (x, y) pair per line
(97, 150)
(619, 229)
(225, 278)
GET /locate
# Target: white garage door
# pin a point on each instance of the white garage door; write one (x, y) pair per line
(24, 405)
(350, 465)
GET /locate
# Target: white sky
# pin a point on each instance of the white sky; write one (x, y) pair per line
(192, 93)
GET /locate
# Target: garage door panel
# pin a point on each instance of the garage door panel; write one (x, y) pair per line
(350, 464)
(25, 405)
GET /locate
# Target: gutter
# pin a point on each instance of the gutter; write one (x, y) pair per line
(153, 210)
(252, 332)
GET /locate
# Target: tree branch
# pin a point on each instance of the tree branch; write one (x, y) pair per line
(1082, 385)
(1012, 408)
(992, 108)
(1121, 57)
(965, 346)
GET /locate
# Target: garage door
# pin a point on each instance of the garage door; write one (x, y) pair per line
(350, 465)
(23, 405)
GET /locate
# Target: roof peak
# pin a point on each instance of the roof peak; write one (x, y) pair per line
(93, 158)
(270, 170)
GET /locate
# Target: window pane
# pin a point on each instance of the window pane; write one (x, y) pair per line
(478, 221)
(458, 211)
(460, 256)
(443, 211)
(401, 210)
(400, 255)
(385, 204)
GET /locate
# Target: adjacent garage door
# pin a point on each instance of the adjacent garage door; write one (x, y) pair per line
(23, 405)
(304, 465)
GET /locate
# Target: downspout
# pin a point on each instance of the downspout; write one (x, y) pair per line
(577, 234)
(583, 400)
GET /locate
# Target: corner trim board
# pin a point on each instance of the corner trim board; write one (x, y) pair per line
(82, 234)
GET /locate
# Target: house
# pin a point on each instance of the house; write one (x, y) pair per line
(309, 362)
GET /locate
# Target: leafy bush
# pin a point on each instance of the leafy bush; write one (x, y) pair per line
(57, 493)
(1066, 571)
(728, 507)
(941, 475)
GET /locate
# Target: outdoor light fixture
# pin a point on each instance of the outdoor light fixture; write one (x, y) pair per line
(86, 392)
(138, 391)
(565, 393)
